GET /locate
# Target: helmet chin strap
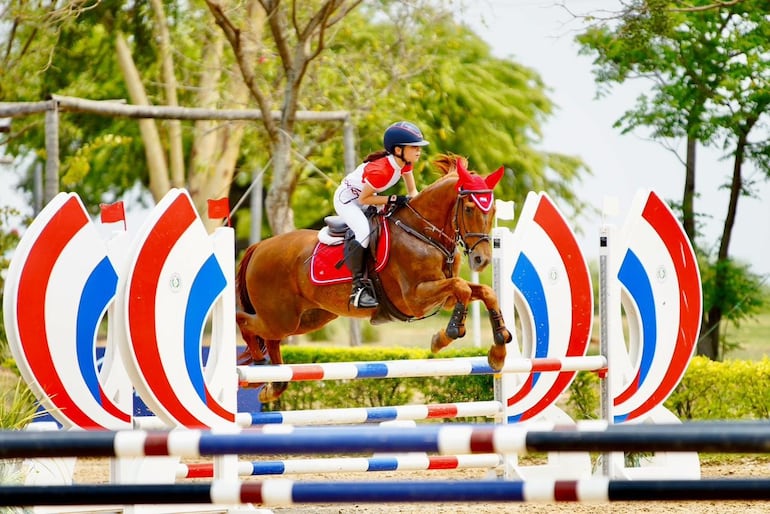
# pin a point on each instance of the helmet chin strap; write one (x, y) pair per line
(406, 163)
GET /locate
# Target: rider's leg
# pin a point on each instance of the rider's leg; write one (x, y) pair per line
(360, 297)
(355, 245)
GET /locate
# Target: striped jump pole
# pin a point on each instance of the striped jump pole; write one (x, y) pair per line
(283, 492)
(749, 437)
(377, 414)
(348, 465)
(353, 415)
(458, 366)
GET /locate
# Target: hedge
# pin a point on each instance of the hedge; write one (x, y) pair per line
(709, 390)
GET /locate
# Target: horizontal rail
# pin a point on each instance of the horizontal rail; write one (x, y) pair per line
(372, 414)
(348, 465)
(284, 492)
(351, 415)
(442, 439)
(459, 366)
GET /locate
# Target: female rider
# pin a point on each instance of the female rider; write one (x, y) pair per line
(358, 190)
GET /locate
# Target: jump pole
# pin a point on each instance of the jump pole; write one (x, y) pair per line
(441, 439)
(353, 415)
(459, 366)
(283, 492)
(348, 465)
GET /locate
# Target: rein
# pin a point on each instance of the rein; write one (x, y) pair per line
(459, 238)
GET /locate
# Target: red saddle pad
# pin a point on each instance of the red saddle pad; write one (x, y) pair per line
(323, 270)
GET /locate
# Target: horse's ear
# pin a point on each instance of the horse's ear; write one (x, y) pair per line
(492, 180)
(462, 171)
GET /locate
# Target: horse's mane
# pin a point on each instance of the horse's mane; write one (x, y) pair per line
(447, 163)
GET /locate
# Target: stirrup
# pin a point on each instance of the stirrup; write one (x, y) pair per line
(361, 299)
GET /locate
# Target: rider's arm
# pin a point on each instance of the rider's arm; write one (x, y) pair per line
(369, 196)
(411, 187)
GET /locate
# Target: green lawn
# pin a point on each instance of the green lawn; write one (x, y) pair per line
(752, 337)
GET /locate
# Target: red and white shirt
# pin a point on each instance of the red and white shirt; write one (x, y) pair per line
(380, 174)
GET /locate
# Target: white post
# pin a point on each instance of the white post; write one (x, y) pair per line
(475, 315)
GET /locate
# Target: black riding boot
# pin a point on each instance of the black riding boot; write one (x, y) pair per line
(360, 297)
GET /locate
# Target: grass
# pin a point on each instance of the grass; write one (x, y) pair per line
(752, 337)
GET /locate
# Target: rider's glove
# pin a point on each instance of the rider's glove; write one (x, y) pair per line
(398, 201)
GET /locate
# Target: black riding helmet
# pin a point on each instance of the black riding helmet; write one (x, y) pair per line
(402, 133)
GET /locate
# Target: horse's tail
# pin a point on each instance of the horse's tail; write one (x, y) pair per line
(241, 283)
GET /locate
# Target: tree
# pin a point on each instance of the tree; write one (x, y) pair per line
(451, 69)
(300, 35)
(379, 63)
(709, 86)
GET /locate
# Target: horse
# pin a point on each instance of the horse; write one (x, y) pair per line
(278, 299)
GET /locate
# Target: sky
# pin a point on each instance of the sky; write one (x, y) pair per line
(540, 34)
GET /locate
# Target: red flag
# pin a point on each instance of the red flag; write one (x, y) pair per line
(219, 209)
(113, 213)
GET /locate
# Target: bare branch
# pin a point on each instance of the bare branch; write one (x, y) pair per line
(700, 8)
(233, 35)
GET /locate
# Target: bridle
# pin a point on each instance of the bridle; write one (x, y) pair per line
(459, 220)
(446, 244)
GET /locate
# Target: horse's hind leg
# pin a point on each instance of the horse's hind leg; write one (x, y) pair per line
(454, 329)
(255, 346)
(273, 390)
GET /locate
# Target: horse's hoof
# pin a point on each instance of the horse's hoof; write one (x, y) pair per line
(267, 394)
(496, 357)
(248, 361)
(439, 341)
(503, 336)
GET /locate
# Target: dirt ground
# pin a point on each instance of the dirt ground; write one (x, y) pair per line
(97, 471)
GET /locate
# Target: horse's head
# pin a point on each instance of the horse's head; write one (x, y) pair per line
(475, 213)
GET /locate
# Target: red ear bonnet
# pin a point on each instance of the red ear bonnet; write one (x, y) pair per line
(480, 189)
(494, 178)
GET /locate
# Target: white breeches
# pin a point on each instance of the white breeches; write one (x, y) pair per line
(346, 204)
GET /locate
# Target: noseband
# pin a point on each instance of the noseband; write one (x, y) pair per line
(459, 223)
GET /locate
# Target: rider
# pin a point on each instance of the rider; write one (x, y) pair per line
(358, 190)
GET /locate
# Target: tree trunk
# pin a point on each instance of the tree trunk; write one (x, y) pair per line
(176, 153)
(153, 150)
(710, 341)
(688, 195)
(203, 152)
(278, 200)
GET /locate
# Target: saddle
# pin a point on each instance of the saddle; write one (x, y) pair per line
(326, 263)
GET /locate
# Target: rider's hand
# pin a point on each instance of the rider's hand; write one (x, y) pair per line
(398, 201)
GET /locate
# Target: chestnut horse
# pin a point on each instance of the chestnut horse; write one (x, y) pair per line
(277, 298)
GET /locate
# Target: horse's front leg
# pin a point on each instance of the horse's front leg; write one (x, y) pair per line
(454, 329)
(501, 335)
(437, 292)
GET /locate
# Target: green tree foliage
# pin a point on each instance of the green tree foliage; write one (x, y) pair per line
(385, 61)
(444, 79)
(9, 238)
(74, 55)
(707, 66)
